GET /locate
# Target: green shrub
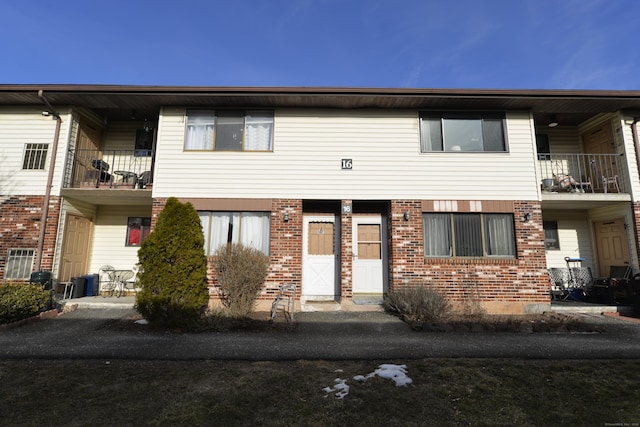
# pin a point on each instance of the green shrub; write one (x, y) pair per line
(173, 274)
(241, 271)
(417, 304)
(20, 301)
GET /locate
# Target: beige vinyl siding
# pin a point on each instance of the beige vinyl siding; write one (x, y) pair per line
(575, 237)
(109, 237)
(19, 127)
(309, 146)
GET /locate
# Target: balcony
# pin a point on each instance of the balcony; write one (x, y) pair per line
(583, 173)
(112, 169)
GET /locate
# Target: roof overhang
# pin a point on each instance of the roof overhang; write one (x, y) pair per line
(118, 102)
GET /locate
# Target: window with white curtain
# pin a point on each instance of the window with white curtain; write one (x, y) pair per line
(229, 130)
(468, 235)
(249, 228)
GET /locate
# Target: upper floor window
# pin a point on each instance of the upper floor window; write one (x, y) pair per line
(468, 235)
(462, 132)
(35, 156)
(229, 130)
(249, 228)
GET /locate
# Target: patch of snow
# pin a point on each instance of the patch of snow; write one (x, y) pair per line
(341, 388)
(142, 322)
(396, 373)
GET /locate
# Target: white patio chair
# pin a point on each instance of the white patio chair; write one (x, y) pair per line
(107, 284)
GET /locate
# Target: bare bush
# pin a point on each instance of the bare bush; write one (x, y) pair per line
(241, 271)
(418, 304)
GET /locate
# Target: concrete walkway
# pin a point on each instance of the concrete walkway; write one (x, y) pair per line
(93, 333)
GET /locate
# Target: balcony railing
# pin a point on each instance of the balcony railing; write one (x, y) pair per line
(109, 169)
(590, 173)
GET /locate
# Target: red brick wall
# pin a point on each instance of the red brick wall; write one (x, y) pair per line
(500, 282)
(20, 218)
(286, 246)
(346, 253)
(636, 224)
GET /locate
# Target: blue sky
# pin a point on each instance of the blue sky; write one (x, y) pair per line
(493, 44)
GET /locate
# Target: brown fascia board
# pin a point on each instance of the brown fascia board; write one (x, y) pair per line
(330, 97)
(310, 90)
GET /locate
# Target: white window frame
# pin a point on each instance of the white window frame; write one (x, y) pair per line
(255, 130)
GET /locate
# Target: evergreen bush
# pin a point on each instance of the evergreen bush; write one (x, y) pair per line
(241, 271)
(417, 304)
(20, 301)
(173, 275)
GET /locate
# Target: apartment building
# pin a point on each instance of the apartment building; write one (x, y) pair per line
(350, 191)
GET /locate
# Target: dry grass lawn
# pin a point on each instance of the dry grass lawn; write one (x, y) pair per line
(444, 392)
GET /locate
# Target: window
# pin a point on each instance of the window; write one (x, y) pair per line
(468, 235)
(19, 263)
(35, 156)
(137, 230)
(249, 228)
(551, 240)
(229, 130)
(144, 142)
(462, 132)
(542, 146)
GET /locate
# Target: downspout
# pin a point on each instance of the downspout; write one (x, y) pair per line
(47, 195)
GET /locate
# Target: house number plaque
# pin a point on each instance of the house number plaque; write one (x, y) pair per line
(347, 163)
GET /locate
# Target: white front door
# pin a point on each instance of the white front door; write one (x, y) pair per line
(319, 258)
(367, 254)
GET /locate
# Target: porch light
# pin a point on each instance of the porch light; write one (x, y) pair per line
(553, 121)
(406, 215)
(527, 216)
(286, 217)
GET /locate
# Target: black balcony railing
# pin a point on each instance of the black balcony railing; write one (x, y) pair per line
(590, 173)
(110, 169)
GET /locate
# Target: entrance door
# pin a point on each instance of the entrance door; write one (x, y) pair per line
(367, 254)
(77, 233)
(319, 258)
(612, 244)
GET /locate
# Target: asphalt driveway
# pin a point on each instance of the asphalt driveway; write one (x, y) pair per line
(85, 333)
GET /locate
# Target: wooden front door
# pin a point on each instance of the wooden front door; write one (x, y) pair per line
(612, 245)
(599, 140)
(75, 248)
(319, 258)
